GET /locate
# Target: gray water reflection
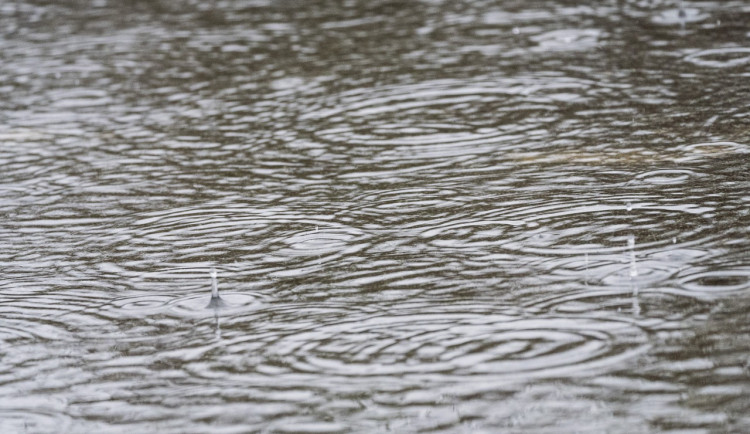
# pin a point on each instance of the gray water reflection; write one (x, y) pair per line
(426, 216)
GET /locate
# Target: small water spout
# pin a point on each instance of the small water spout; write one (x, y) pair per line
(216, 300)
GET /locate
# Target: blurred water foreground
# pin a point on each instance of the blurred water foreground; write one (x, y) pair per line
(425, 216)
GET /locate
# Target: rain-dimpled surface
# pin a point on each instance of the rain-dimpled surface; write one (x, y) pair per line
(425, 216)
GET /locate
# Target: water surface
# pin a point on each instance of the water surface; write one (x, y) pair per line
(425, 216)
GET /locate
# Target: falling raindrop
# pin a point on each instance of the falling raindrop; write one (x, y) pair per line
(631, 246)
(633, 265)
(636, 305)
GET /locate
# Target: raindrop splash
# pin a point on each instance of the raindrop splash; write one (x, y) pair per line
(216, 300)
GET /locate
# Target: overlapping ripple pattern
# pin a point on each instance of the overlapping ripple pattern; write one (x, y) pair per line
(425, 216)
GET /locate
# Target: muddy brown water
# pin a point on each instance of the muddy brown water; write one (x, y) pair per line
(426, 216)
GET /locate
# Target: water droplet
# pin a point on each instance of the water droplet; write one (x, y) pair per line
(633, 264)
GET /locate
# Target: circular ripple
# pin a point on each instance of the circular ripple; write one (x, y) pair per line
(320, 241)
(568, 39)
(671, 17)
(666, 177)
(36, 321)
(616, 272)
(717, 282)
(198, 304)
(576, 227)
(404, 207)
(144, 305)
(456, 344)
(269, 234)
(720, 57)
(418, 121)
(478, 233)
(141, 303)
(182, 225)
(645, 270)
(699, 151)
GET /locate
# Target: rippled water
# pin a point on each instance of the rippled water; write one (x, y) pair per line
(425, 216)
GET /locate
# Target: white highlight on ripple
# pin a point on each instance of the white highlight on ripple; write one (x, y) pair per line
(725, 281)
(701, 151)
(681, 16)
(720, 57)
(463, 234)
(567, 40)
(321, 241)
(666, 177)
